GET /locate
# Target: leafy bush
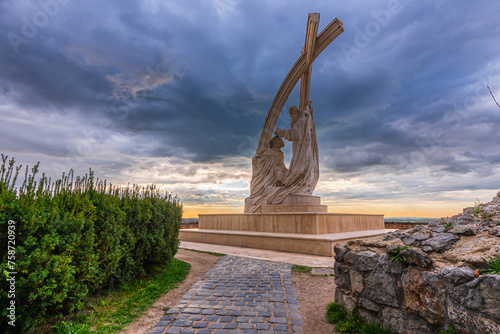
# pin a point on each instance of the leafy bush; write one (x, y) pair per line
(395, 256)
(347, 322)
(493, 264)
(68, 327)
(77, 236)
(336, 313)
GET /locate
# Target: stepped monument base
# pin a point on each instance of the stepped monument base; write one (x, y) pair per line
(286, 227)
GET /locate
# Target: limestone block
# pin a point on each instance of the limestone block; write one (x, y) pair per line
(441, 242)
(417, 257)
(367, 261)
(339, 252)
(356, 281)
(424, 294)
(470, 322)
(458, 275)
(350, 302)
(351, 258)
(381, 288)
(416, 325)
(464, 229)
(393, 319)
(369, 305)
(338, 298)
(394, 235)
(415, 229)
(484, 295)
(341, 277)
(369, 316)
(390, 266)
(415, 239)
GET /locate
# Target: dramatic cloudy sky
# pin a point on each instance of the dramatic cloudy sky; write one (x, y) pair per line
(175, 93)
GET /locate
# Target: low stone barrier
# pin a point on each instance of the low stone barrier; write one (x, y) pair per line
(413, 297)
(402, 225)
(423, 279)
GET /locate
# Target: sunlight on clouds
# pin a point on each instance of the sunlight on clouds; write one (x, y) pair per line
(224, 7)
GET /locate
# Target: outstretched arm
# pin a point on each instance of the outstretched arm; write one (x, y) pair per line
(287, 134)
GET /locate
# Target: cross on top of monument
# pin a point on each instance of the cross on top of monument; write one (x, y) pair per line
(313, 46)
(273, 183)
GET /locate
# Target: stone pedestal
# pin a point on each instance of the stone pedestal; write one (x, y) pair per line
(296, 203)
(300, 225)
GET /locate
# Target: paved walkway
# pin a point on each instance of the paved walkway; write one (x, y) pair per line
(263, 254)
(238, 295)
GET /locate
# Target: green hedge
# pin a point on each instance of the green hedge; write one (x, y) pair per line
(77, 236)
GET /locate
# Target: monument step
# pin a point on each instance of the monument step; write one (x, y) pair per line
(319, 244)
(297, 222)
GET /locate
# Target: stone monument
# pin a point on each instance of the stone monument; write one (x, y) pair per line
(272, 183)
(281, 212)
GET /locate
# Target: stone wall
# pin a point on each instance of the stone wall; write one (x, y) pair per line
(414, 297)
(423, 279)
(189, 225)
(402, 225)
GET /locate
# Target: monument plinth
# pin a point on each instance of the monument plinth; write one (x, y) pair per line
(281, 212)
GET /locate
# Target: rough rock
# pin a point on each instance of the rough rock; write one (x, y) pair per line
(468, 210)
(424, 294)
(470, 322)
(367, 261)
(341, 276)
(427, 249)
(369, 305)
(414, 230)
(458, 275)
(487, 294)
(391, 266)
(468, 229)
(350, 257)
(436, 285)
(441, 242)
(339, 252)
(417, 257)
(416, 325)
(465, 219)
(393, 319)
(415, 239)
(348, 301)
(368, 315)
(394, 235)
(356, 279)
(381, 288)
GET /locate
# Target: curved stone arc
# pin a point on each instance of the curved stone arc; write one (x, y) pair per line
(331, 31)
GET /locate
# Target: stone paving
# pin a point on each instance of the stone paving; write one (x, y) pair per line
(238, 295)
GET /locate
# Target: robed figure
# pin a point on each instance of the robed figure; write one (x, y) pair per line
(303, 172)
(268, 174)
(271, 181)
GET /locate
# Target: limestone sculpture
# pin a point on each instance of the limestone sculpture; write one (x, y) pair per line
(268, 174)
(304, 167)
(271, 182)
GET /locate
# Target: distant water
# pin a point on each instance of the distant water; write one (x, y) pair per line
(409, 219)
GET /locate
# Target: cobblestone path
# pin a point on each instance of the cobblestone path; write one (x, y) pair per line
(238, 295)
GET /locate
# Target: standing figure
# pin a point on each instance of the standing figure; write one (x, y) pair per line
(303, 173)
(268, 174)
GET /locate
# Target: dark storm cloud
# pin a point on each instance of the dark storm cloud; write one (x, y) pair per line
(195, 79)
